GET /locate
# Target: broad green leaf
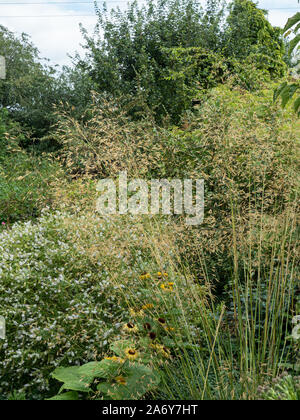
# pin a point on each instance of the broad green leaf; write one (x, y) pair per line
(102, 369)
(115, 391)
(70, 396)
(279, 90)
(72, 379)
(119, 347)
(288, 93)
(294, 43)
(292, 21)
(138, 380)
(297, 106)
(297, 28)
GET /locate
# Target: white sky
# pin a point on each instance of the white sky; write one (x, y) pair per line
(57, 36)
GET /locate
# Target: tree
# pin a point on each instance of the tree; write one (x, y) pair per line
(130, 53)
(249, 36)
(32, 87)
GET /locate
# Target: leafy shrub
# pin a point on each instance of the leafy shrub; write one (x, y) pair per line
(11, 134)
(117, 377)
(250, 37)
(24, 177)
(24, 185)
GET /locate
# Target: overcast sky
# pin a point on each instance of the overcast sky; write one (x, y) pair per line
(57, 36)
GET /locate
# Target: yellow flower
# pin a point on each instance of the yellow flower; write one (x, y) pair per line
(155, 346)
(145, 276)
(162, 321)
(163, 350)
(169, 328)
(131, 353)
(120, 380)
(168, 287)
(135, 314)
(160, 275)
(148, 306)
(132, 312)
(130, 328)
(147, 326)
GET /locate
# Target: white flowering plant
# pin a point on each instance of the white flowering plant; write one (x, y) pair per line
(59, 308)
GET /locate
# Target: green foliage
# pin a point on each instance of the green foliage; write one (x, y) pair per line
(189, 73)
(215, 321)
(294, 20)
(251, 38)
(24, 177)
(283, 388)
(129, 55)
(32, 87)
(170, 51)
(119, 380)
(29, 88)
(11, 134)
(287, 91)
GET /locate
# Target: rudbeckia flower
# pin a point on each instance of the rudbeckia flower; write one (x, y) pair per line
(120, 380)
(134, 313)
(152, 335)
(145, 276)
(131, 353)
(168, 287)
(165, 352)
(147, 326)
(130, 328)
(162, 350)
